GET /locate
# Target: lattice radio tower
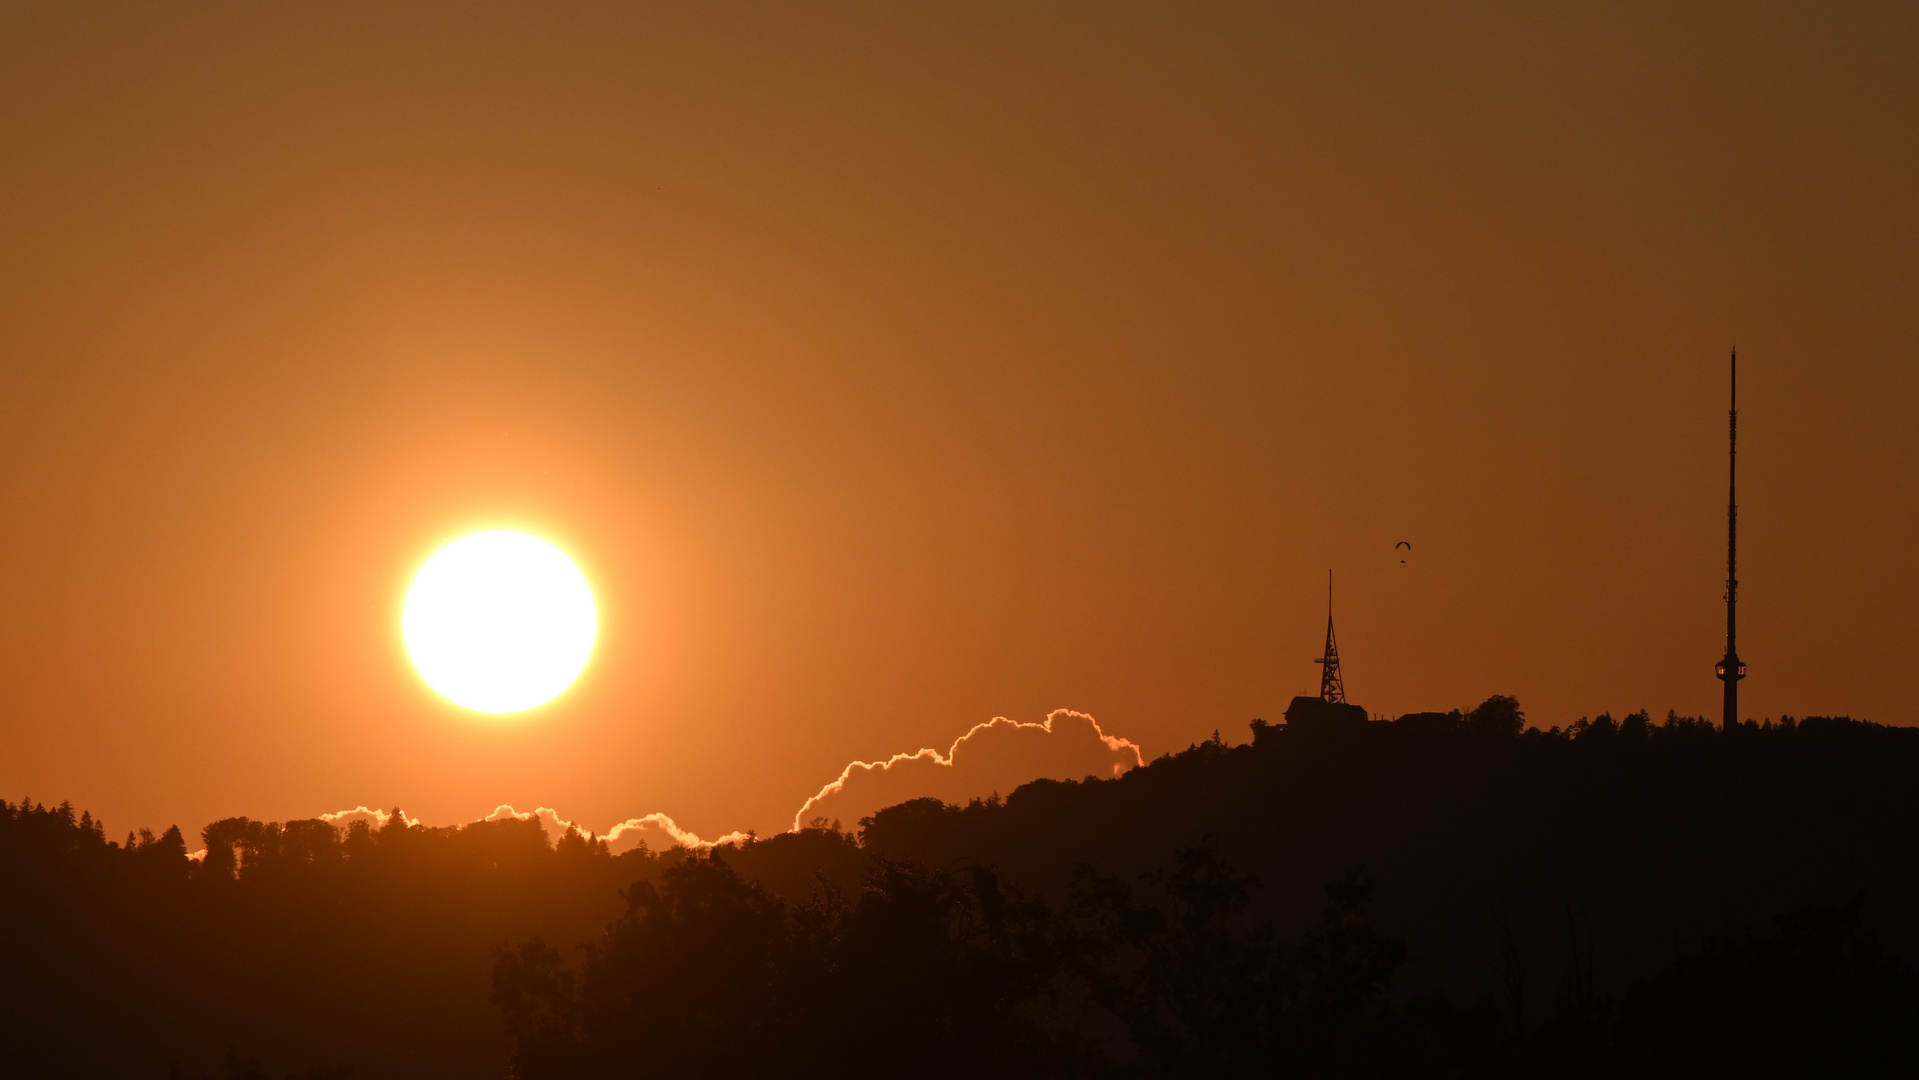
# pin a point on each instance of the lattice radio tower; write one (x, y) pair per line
(1332, 685)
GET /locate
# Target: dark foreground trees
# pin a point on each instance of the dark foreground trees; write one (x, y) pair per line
(958, 974)
(706, 975)
(1817, 997)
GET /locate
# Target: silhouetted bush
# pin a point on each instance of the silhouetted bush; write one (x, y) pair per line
(1498, 716)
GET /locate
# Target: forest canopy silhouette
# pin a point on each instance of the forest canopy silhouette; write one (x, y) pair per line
(1444, 894)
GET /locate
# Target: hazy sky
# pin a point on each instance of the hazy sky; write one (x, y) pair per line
(892, 367)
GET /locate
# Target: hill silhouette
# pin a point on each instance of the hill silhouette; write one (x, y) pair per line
(1444, 894)
(1577, 858)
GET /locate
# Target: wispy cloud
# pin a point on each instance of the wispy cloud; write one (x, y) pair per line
(996, 756)
(375, 818)
(655, 831)
(659, 830)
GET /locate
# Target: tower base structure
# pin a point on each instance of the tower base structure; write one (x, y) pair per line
(1318, 714)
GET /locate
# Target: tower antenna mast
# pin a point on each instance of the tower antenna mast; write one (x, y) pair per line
(1332, 684)
(1731, 669)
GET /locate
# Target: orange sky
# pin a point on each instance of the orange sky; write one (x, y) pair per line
(889, 369)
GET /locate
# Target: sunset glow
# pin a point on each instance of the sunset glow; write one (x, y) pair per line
(877, 540)
(499, 622)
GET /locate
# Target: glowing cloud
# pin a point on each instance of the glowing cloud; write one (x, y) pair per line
(658, 831)
(655, 831)
(376, 818)
(998, 755)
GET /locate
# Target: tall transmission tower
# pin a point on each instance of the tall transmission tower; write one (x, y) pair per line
(1332, 685)
(1731, 669)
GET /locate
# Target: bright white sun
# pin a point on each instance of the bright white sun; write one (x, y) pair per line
(499, 621)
